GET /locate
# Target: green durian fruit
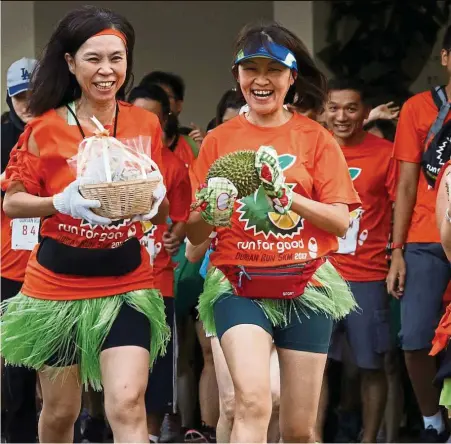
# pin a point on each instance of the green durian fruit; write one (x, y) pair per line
(239, 168)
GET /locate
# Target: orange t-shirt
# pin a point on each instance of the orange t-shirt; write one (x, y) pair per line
(313, 165)
(49, 174)
(13, 262)
(176, 178)
(416, 118)
(184, 151)
(373, 172)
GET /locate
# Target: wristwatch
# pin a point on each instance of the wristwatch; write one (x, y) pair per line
(395, 246)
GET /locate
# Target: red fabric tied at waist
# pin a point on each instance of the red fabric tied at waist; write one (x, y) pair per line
(442, 333)
(285, 282)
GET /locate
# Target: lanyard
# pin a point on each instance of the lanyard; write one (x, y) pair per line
(81, 129)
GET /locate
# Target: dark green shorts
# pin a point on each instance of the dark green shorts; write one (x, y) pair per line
(305, 331)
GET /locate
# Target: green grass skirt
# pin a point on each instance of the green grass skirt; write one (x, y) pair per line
(332, 297)
(33, 330)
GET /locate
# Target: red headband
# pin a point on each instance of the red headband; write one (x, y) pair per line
(111, 31)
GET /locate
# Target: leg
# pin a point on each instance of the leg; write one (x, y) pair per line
(394, 407)
(124, 375)
(226, 393)
(124, 362)
(302, 347)
(61, 405)
(427, 278)
(208, 387)
(374, 396)
(247, 349)
(369, 339)
(21, 415)
(186, 381)
(273, 429)
(322, 408)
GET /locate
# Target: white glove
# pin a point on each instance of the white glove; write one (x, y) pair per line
(157, 196)
(72, 203)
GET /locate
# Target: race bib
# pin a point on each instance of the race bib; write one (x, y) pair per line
(25, 233)
(348, 243)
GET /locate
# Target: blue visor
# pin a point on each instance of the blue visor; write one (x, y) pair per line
(271, 51)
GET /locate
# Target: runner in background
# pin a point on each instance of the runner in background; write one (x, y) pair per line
(18, 238)
(188, 141)
(163, 242)
(361, 256)
(419, 272)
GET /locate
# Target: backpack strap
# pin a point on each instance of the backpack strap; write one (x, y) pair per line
(192, 144)
(443, 105)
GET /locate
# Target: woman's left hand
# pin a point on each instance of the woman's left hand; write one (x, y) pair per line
(273, 179)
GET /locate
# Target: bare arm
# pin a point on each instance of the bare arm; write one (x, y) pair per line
(333, 218)
(197, 230)
(443, 204)
(195, 253)
(163, 212)
(18, 203)
(406, 195)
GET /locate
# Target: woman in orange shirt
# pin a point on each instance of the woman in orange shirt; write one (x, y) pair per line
(270, 280)
(88, 311)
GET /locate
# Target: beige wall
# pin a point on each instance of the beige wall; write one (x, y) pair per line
(297, 16)
(191, 38)
(17, 36)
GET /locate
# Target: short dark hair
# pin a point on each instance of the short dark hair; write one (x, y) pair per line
(152, 92)
(386, 127)
(309, 88)
(353, 84)
(447, 39)
(52, 84)
(174, 81)
(230, 99)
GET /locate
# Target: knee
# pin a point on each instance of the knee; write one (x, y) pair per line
(228, 408)
(297, 433)
(125, 405)
(254, 404)
(60, 415)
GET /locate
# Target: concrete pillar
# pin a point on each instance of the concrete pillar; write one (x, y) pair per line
(297, 16)
(17, 36)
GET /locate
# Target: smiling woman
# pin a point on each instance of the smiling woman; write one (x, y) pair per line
(89, 279)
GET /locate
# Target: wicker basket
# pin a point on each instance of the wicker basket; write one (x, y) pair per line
(121, 200)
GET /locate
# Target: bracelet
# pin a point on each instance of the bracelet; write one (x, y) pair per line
(447, 216)
(395, 246)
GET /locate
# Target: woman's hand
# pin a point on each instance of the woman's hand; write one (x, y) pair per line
(72, 203)
(272, 178)
(386, 111)
(217, 200)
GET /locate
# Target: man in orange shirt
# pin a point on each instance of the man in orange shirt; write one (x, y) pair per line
(419, 272)
(361, 254)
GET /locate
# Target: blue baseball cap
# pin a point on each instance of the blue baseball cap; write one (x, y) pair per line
(18, 76)
(270, 50)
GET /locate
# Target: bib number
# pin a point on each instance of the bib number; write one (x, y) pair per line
(25, 233)
(348, 243)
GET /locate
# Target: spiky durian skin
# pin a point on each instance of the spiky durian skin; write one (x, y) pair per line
(239, 168)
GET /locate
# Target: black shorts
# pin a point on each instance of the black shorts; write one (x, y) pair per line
(130, 327)
(162, 386)
(9, 288)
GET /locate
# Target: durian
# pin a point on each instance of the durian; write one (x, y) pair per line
(239, 168)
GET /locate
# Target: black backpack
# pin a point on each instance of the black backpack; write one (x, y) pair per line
(438, 141)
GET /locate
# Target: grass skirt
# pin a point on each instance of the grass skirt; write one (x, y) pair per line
(330, 295)
(33, 330)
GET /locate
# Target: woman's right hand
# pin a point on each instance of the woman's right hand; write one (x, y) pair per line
(72, 203)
